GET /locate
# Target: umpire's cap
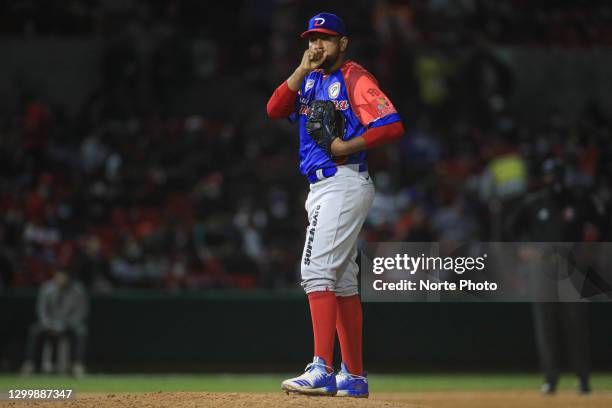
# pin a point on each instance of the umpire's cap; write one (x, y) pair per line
(326, 23)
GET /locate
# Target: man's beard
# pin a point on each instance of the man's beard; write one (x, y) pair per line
(329, 62)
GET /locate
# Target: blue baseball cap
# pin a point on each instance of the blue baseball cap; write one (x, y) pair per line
(326, 23)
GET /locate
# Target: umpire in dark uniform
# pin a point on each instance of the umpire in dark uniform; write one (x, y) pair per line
(556, 214)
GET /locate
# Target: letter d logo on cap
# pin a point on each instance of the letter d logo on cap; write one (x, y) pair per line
(319, 21)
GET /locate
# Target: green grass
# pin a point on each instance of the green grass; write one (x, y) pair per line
(270, 383)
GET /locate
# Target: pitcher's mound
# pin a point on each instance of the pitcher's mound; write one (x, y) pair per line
(209, 399)
(452, 399)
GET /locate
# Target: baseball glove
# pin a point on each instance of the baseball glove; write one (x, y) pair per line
(324, 124)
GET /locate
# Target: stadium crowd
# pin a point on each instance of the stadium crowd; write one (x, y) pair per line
(567, 23)
(149, 186)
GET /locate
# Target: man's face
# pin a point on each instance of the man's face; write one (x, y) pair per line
(331, 45)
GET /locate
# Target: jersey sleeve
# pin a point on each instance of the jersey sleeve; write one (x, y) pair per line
(371, 106)
(282, 103)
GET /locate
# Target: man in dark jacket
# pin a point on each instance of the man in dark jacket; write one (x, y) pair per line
(556, 214)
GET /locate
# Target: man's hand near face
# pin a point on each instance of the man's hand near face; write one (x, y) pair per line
(311, 60)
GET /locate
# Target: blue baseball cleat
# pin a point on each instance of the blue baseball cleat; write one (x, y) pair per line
(315, 381)
(351, 385)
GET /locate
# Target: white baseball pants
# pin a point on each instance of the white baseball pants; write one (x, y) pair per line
(337, 208)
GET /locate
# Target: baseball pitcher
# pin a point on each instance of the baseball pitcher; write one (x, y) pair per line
(341, 113)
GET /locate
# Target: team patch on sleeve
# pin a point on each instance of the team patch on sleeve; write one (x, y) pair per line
(371, 103)
(384, 107)
(368, 102)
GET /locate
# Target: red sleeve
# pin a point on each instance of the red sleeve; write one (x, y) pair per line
(380, 135)
(282, 102)
(368, 102)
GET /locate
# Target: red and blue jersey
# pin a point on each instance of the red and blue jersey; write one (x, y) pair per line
(357, 96)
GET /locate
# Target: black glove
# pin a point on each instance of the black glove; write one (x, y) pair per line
(324, 124)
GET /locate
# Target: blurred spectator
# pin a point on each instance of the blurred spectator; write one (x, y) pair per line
(489, 83)
(502, 182)
(453, 223)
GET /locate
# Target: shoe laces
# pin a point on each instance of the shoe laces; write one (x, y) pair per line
(354, 376)
(309, 366)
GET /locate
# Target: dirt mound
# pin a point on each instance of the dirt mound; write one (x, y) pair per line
(500, 399)
(486, 399)
(207, 399)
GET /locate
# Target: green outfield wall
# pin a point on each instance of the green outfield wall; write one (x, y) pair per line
(270, 331)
